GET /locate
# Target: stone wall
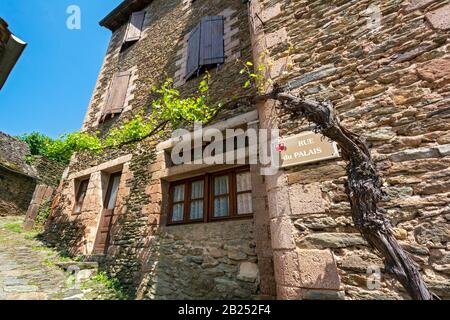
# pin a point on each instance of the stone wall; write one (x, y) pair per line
(390, 84)
(49, 172)
(19, 177)
(16, 190)
(202, 261)
(215, 260)
(13, 153)
(159, 53)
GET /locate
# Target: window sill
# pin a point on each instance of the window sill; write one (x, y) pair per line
(211, 220)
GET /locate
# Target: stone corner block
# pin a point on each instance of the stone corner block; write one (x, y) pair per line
(282, 234)
(318, 269)
(306, 199)
(440, 18)
(288, 293)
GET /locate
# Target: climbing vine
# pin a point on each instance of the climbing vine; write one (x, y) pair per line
(169, 109)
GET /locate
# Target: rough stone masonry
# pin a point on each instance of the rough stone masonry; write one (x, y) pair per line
(18, 178)
(385, 66)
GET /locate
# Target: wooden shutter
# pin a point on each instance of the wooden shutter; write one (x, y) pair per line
(135, 26)
(117, 93)
(193, 52)
(212, 41)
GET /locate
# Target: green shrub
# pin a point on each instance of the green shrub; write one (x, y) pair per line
(43, 213)
(168, 109)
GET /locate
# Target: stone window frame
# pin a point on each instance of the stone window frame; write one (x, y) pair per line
(208, 197)
(99, 176)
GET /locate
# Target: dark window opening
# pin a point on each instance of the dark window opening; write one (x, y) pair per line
(80, 195)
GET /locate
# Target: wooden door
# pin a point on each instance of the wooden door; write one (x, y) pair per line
(106, 222)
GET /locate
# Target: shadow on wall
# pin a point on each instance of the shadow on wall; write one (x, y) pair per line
(16, 191)
(64, 234)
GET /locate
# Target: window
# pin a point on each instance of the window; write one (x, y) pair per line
(211, 197)
(244, 193)
(205, 45)
(81, 194)
(135, 26)
(117, 95)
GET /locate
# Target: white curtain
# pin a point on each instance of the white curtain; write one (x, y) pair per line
(196, 209)
(221, 207)
(221, 185)
(178, 193)
(244, 200)
(243, 182)
(221, 204)
(178, 208)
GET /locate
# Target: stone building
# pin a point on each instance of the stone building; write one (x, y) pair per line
(11, 48)
(20, 178)
(226, 231)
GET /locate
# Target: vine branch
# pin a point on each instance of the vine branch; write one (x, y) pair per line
(363, 189)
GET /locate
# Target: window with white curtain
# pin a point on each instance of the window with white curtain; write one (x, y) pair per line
(178, 203)
(197, 200)
(244, 193)
(211, 197)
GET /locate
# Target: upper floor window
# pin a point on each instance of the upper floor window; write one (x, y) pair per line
(117, 95)
(205, 45)
(218, 196)
(135, 26)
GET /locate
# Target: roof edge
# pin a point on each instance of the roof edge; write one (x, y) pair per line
(122, 12)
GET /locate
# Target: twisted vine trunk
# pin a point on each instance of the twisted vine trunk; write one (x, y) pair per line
(363, 189)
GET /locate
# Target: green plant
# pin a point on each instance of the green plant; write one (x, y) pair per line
(168, 109)
(112, 284)
(14, 227)
(49, 263)
(37, 142)
(29, 159)
(256, 76)
(43, 213)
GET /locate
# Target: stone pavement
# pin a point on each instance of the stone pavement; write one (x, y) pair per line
(28, 269)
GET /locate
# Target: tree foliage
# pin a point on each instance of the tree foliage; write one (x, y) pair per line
(169, 109)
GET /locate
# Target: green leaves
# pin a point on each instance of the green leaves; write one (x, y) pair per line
(181, 111)
(37, 142)
(257, 78)
(169, 108)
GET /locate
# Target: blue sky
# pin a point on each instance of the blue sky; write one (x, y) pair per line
(50, 87)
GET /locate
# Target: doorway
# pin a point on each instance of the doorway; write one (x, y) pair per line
(106, 221)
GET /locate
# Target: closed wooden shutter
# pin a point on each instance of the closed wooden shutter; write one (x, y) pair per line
(135, 26)
(212, 41)
(193, 57)
(117, 93)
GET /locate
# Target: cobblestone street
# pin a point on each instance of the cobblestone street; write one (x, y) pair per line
(28, 269)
